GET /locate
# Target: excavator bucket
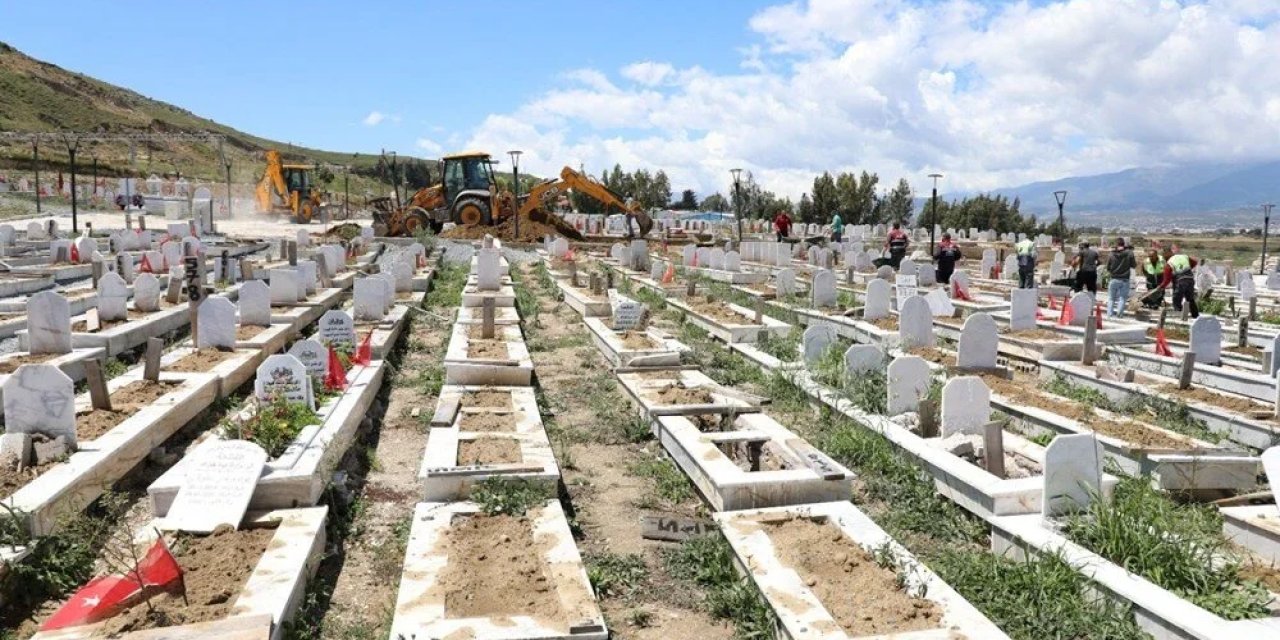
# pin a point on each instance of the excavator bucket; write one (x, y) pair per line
(553, 220)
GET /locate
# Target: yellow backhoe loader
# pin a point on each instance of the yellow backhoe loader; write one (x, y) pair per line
(286, 189)
(469, 196)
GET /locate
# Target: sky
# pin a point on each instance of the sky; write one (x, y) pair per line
(988, 93)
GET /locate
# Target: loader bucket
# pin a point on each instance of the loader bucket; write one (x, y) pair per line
(553, 220)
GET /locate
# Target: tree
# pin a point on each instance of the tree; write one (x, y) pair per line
(688, 201)
(900, 203)
(714, 202)
(825, 199)
(660, 189)
(805, 213)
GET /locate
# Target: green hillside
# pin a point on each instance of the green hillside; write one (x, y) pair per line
(36, 96)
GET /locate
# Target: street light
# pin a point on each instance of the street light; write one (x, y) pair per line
(1061, 197)
(933, 218)
(1266, 224)
(515, 181)
(737, 199)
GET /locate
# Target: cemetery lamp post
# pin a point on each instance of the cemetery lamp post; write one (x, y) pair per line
(1266, 227)
(737, 199)
(515, 187)
(35, 164)
(1061, 197)
(933, 217)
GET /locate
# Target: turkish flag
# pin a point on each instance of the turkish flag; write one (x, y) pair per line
(958, 292)
(145, 267)
(75, 255)
(1068, 314)
(1097, 313)
(335, 378)
(669, 275)
(1053, 303)
(1162, 344)
(568, 255)
(364, 352)
(159, 568)
(99, 599)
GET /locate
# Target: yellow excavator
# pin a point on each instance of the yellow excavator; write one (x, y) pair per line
(469, 196)
(286, 189)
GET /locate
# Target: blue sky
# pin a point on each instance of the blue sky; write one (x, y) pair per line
(991, 93)
(311, 72)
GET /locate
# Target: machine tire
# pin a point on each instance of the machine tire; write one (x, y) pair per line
(415, 219)
(471, 212)
(305, 212)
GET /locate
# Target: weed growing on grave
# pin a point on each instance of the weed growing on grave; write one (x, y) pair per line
(1213, 306)
(828, 369)
(846, 299)
(785, 348)
(1177, 546)
(543, 275)
(615, 574)
(526, 301)
(669, 482)
(640, 618)
(273, 425)
(446, 290)
(1040, 598)
(508, 496)
(114, 367)
(1170, 415)
(708, 562)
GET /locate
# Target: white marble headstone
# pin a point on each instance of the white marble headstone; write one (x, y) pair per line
(313, 355)
(216, 324)
(218, 482)
(908, 384)
(915, 323)
(113, 297)
(863, 358)
(488, 270)
(40, 398)
(816, 340)
(876, 304)
(48, 323)
(979, 340)
(1022, 309)
(368, 299)
(255, 304)
(284, 287)
(283, 376)
(1206, 339)
(823, 289)
(966, 406)
(1081, 308)
(336, 327)
(1072, 474)
(786, 282)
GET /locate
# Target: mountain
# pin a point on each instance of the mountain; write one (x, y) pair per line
(1195, 188)
(36, 96)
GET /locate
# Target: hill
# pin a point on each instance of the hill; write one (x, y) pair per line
(36, 96)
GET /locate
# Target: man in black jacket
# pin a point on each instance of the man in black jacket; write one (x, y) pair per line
(1120, 268)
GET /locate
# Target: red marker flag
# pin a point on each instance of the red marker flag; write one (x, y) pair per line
(1068, 314)
(75, 254)
(669, 275)
(958, 292)
(95, 601)
(335, 377)
(145, 267)
(1162, 344)
(159, 568)
(1097, 313)
(1053, 303)
(364, 352)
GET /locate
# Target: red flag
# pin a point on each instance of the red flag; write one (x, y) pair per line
(75, 254)
(1053, 303)
(97, 600)
(335, 378)
(669, 275)
(1097, 313)
(1162, 344)
(145, 267)
(158, 568)
(1039, 314)
(568, 256)
(364, 353)
(1067, 316)
(958, 292)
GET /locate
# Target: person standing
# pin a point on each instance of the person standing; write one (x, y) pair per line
(837, 227)
(782, 225)
(1180, 272)
(1120, 269)
(1086, 264)
(947, 255)
(1026, 251)
(896, 242)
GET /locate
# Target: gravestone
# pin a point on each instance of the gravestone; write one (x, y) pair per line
(863, 262)
(402, 269)
(656, 269)
(1022, 309)
(113, 298)
(255, 304)
(1273, 281)
(1072, 474)
(1010, 270)
(863, 358)
(87, 248)
(905, 287)
(1245, 285)
(488, 270)
(823, 289)
(688, 253)
(48, 323)
(336, 328)
(146, 292)
(308, 277)
(940, 304)
(978, 342)
(216, 324)
(615, 252)
(908, 384)
(388, 290)
(915, 323)
(966, 406)
(960, 279)
(704, 257)
(40, 398)
(1081, 308)
(908, 267)
(717, 258)
(885, 272)
(732, 261)
(876, 303)
(313, 355)
(816, 340)
(59, 251)
(786, 282)
(35, 231)
(368, 301)
(124, 267)
(928, 276)
(284, 287)
(1206, 339)
(172, 253)
(303, 238)
(627, 314)
(283, 376)
(217, 485)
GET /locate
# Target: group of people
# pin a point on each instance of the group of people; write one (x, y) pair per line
(1163, 268)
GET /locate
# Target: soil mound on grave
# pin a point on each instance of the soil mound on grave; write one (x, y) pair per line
(215, 569)
(488, 422)
(495, 569)
(680, 394)
(530, 231)
(487, 399)
(483, 451)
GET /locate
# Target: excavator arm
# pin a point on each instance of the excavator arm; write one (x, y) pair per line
(570, 179)
(272, 193)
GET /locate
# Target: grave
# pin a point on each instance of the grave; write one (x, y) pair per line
(817, 338)
(218, 487)
(823, 289)
(915, 323)
(337, 328)
(966, 406)
(48, 324)
(113, 298)
(1023, 305)
(877, 301)
(908, 384)
(503, 360)
(979, 340)
(1206, 339)
(861, 359)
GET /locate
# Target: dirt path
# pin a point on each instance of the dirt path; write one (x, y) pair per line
(614, 474)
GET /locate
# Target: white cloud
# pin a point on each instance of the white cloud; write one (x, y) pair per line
(430, 146)
(991, 95)
(374, 118)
